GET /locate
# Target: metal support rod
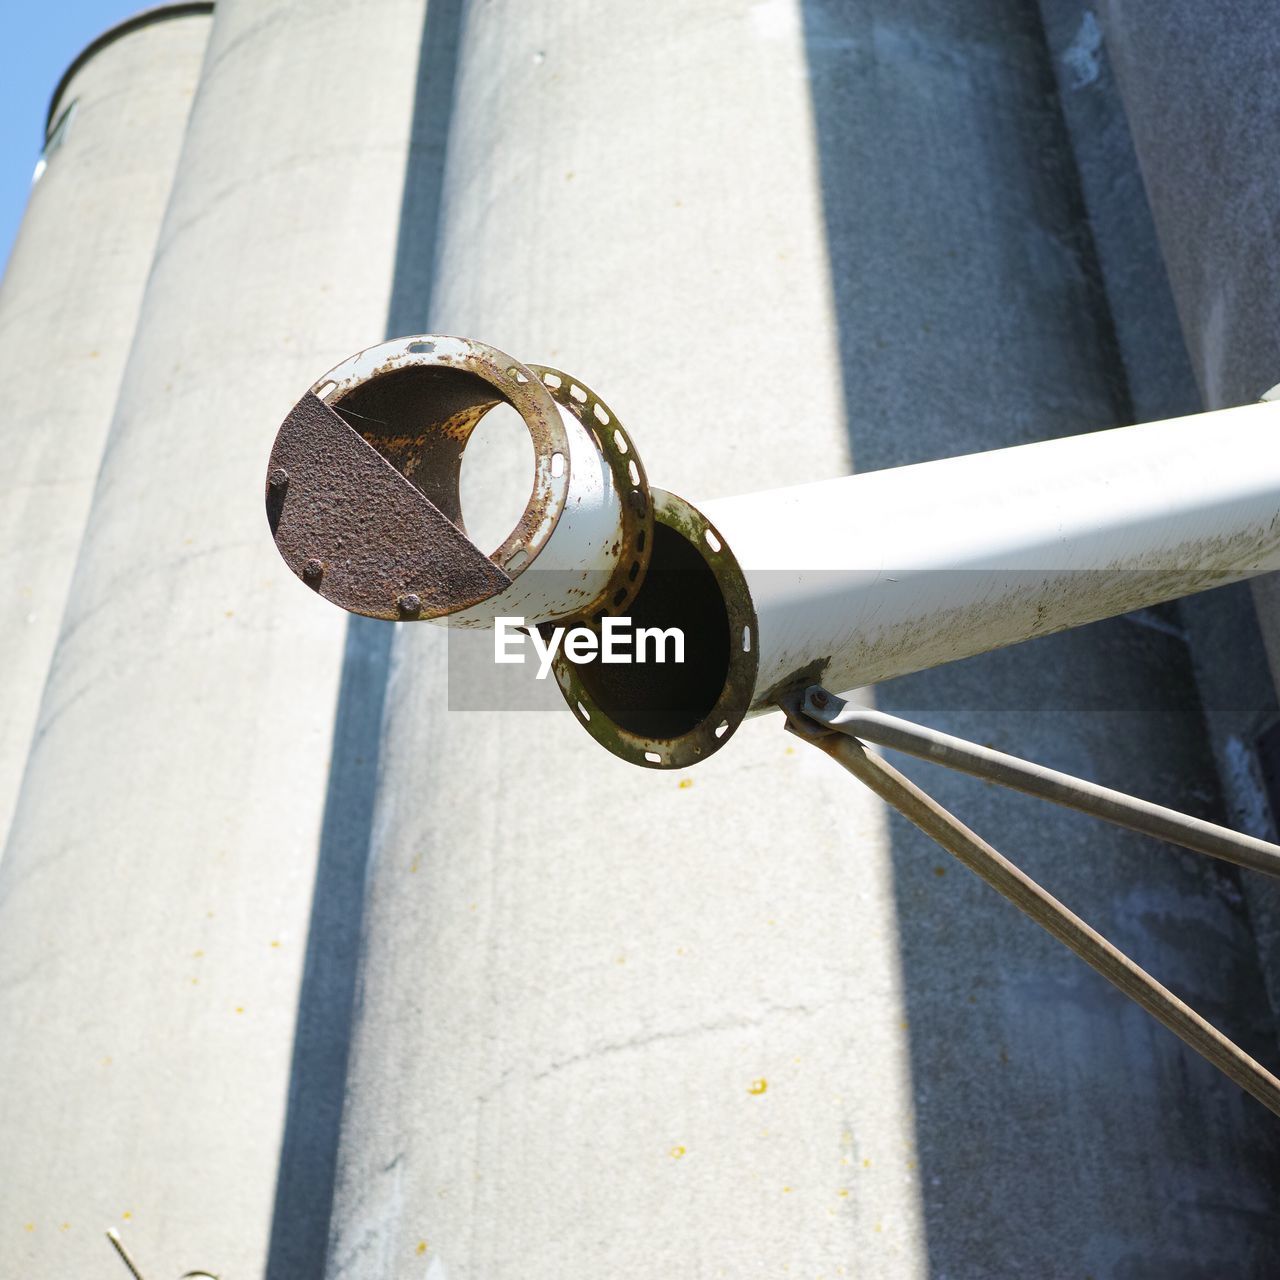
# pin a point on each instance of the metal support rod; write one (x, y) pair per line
(114, 1236)
(1038, 780)
(118, 1245)
(1033, 900)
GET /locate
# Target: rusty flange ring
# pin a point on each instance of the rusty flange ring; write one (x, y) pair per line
(619, 451)
(362, 486)
(507, 380)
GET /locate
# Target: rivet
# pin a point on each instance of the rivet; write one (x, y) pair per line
(312, 569)
(410, 606)
(278, 478)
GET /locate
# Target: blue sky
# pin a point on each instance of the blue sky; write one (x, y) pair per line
(40, 41)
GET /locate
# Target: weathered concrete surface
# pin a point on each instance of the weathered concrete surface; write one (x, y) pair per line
(1220, 628)
(1153, 370)
(156, 892)
(1042, 1097)
(1266, 597)
(1207, 157)
(68, 304)
(1212, 182)
(613, 1024)
(1158, 382)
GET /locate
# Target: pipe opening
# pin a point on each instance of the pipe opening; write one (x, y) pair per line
(667, 699)
(496, 477)
(472, 431)
(412, 406)
(421, 418)
(669, 714)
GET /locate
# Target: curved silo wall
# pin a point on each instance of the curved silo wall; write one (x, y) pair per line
(738, 1022)
(1205, 153)
(198, 754)
(1198, 89)
(68, 305)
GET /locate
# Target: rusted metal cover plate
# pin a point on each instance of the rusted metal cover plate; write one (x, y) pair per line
(355, 530)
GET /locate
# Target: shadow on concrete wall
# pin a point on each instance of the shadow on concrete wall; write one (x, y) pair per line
(1059, 1131)
(304, 1188)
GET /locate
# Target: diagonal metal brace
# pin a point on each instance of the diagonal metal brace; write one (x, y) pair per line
(1037, 780)
(836, 727)
(113, 1236)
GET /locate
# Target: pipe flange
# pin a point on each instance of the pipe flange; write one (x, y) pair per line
(618, 449)
(429, 452)
(362, 488)
(603, 717)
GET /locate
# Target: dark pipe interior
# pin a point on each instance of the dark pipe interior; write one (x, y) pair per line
(419, 418)
(665, 700)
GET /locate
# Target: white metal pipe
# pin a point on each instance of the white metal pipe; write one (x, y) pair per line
(853, 581)
(575, 566)
(872, 576)
(848, 582)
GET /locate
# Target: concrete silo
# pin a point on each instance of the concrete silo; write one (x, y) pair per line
(187, 777)
(1205, 157)
(1217, 223)
(1178, 204)
(737, 1023)
(608, 1022)
(68, 304)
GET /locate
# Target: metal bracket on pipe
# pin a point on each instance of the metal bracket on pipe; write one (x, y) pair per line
(842, 730)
